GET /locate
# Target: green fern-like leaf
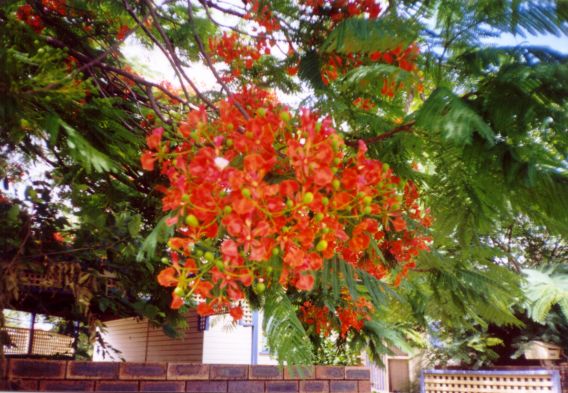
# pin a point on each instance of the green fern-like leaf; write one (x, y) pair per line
(286, 337)
(160, 233)
(362, 35)
(310, 70)
(545, 288)
(449, 115)
(82, 151)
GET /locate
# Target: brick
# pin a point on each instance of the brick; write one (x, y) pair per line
(28, 385)
(299, 372)
(4, 366)
(364, 386)
(188, 371)
(219, 371)
(265, 372)
(314, 386)
(92, 370)
(357, 373)
(66, 386)
(246, 386)
(142, 371)
(116, 386)
(343, 386)
(206, 386)
(162, 386)
(36, 369)
(281, 386)
(330, 372)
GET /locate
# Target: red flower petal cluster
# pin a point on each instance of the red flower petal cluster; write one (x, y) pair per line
(266, 199)
(231, 49)
(27, 14)
(338, 65)
(339, 10)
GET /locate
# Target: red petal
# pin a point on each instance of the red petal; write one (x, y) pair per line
(305, 282)
(167, 277)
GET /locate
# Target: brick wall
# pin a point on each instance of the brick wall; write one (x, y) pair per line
(55, 375)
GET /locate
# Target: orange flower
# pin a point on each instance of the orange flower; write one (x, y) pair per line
(236, 313)
(177, 302)
(167, 277)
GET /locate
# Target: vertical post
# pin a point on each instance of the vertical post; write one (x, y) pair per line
(76, 332)
(32, 330)
(147, 340)
(254, 346)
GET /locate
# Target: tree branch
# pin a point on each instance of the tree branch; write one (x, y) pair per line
(169, 52)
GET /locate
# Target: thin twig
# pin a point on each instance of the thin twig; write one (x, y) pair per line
(210, 63)
(155, 107)
(385, 135)
(225, 10)
(23, 243)
(59, 44)
(159, 45)
(174, 60)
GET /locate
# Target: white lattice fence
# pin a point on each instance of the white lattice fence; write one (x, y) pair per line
(44, 343)
(493, 381)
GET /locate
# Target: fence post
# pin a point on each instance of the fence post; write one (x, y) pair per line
(32, 330)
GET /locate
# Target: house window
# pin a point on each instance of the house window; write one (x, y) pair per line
(202, 323)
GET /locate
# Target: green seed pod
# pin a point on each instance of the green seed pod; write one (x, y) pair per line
(308, 198)
(192, 221)
(322, 245)
(259, 288)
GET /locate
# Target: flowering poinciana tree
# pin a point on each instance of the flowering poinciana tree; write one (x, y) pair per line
(290, 176)
(262, 198)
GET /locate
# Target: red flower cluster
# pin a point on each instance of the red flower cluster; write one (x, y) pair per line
(364, 104)
(355, 315)
(231, 49)
(349, 315)
(266, 199)
(338, 65)
(27, 14)
(260, 13)
(316, 316)
(57, 6)
(339, 10)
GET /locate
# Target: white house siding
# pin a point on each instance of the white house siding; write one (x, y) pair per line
(226, 343)
(139, 342)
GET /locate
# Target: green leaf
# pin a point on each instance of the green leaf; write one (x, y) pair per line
(134, 225)
(310, 70)
(378, 72)
(363, 35)
(160, 233)
(545, 288)
(85, 154)
(448, 114)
